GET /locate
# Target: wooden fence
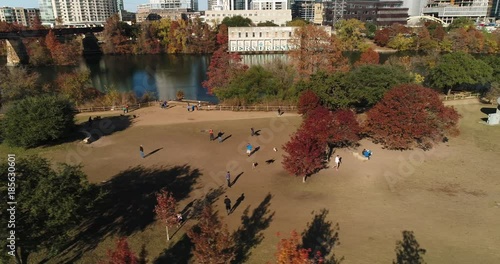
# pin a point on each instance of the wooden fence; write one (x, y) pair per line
(260, 108)
(461, 96)
(114, 108)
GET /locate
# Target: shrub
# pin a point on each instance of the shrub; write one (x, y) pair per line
(180, 95)
(37, 120)
(410, 116)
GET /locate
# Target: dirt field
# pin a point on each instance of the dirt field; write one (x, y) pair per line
(449, 196)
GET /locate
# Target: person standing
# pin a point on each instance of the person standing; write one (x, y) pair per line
(228, 179)
(228, 205)
(90, 121)
(141, 150)
(337, 162)
(211, 134)
(249, 149)
(126, 108)
(252, 132)
(219, 136)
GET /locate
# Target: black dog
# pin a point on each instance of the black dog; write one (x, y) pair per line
(269, 161)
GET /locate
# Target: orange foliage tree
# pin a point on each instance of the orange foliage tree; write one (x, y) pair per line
(290, 251)
(121, 255)
(213, 244)
(62, 53)
(410, 116)
(369, 56)
(314, 50)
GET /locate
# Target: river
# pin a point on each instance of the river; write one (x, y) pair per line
(161, 74)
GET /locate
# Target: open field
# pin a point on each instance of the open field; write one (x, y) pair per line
(449, 196)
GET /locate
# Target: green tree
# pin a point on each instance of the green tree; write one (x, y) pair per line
(459, 71)
(370, 29)
(37, 120)
(17, 83)
(248, 87)
(461, 22)
(350, 33)
(50, 204)
(367, 84)
(332, 89)
(237, 21)
(267, 24)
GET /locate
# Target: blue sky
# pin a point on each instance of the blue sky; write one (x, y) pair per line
(130, 5)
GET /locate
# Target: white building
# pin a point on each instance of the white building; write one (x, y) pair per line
(19, 15)
(262, 39)
(269, 4)
(449, 10)
(169, 5)
(78, 12)
(279, 17)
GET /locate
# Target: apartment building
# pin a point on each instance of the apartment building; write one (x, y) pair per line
(78, 12)
(19, 15)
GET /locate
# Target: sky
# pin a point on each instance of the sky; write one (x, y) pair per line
(130, 5)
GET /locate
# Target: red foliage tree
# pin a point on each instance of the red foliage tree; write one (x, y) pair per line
(121, 255)
(382, 37)
(308, 101)
(339, 128)
(368, 57)
(305, 154)
(166, 209)
(290, 252)
(223, 65)
(213, 243)
(410, 116)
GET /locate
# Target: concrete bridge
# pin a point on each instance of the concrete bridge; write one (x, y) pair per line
(17, 53)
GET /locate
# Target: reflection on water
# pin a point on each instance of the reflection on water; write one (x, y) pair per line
(161, 74)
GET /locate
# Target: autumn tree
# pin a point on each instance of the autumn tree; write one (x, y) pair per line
(17, 83)
(223, 65)
(62, 53)
(290, 252)
(117, 36)
(308, 101)
(213, 244)
(411, 116)
(76, 86)
(316, 50)
(147, 43)
(369, 56)
(202, 38)
(304, 155)
(350, 33)
(458, 71)
(408, 250)
(121, 255)
(166, 209)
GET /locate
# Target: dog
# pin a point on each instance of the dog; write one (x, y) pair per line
(275, 149)
(254, 164)
(269, 161)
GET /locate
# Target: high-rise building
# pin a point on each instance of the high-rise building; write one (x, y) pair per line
(78, 12)
(447, 10)
(19, 15)
(269, 4)
(304, 9)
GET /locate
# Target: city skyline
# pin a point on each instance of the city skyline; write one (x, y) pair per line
(130, 5)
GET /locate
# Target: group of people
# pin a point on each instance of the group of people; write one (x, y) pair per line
(219, 135)
(191, 108)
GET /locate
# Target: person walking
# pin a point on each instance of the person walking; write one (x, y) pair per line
(90, 121)
(228, 179)
(211, 134)
(337, 162)
(219, 136)
(141, 150)
(249, 149)
(227, 201)
(252, 132)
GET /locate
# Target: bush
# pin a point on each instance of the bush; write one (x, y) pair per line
(410, 116)
(180, 95)
(37, 120)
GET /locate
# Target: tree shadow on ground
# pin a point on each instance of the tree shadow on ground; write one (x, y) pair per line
(179, 253)
(194, 211)
(408, 250)
(322, 236)
(249, 233)
(95, 130)
(128, 204)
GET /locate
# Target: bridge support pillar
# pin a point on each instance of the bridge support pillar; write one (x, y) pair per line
(16, 52)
